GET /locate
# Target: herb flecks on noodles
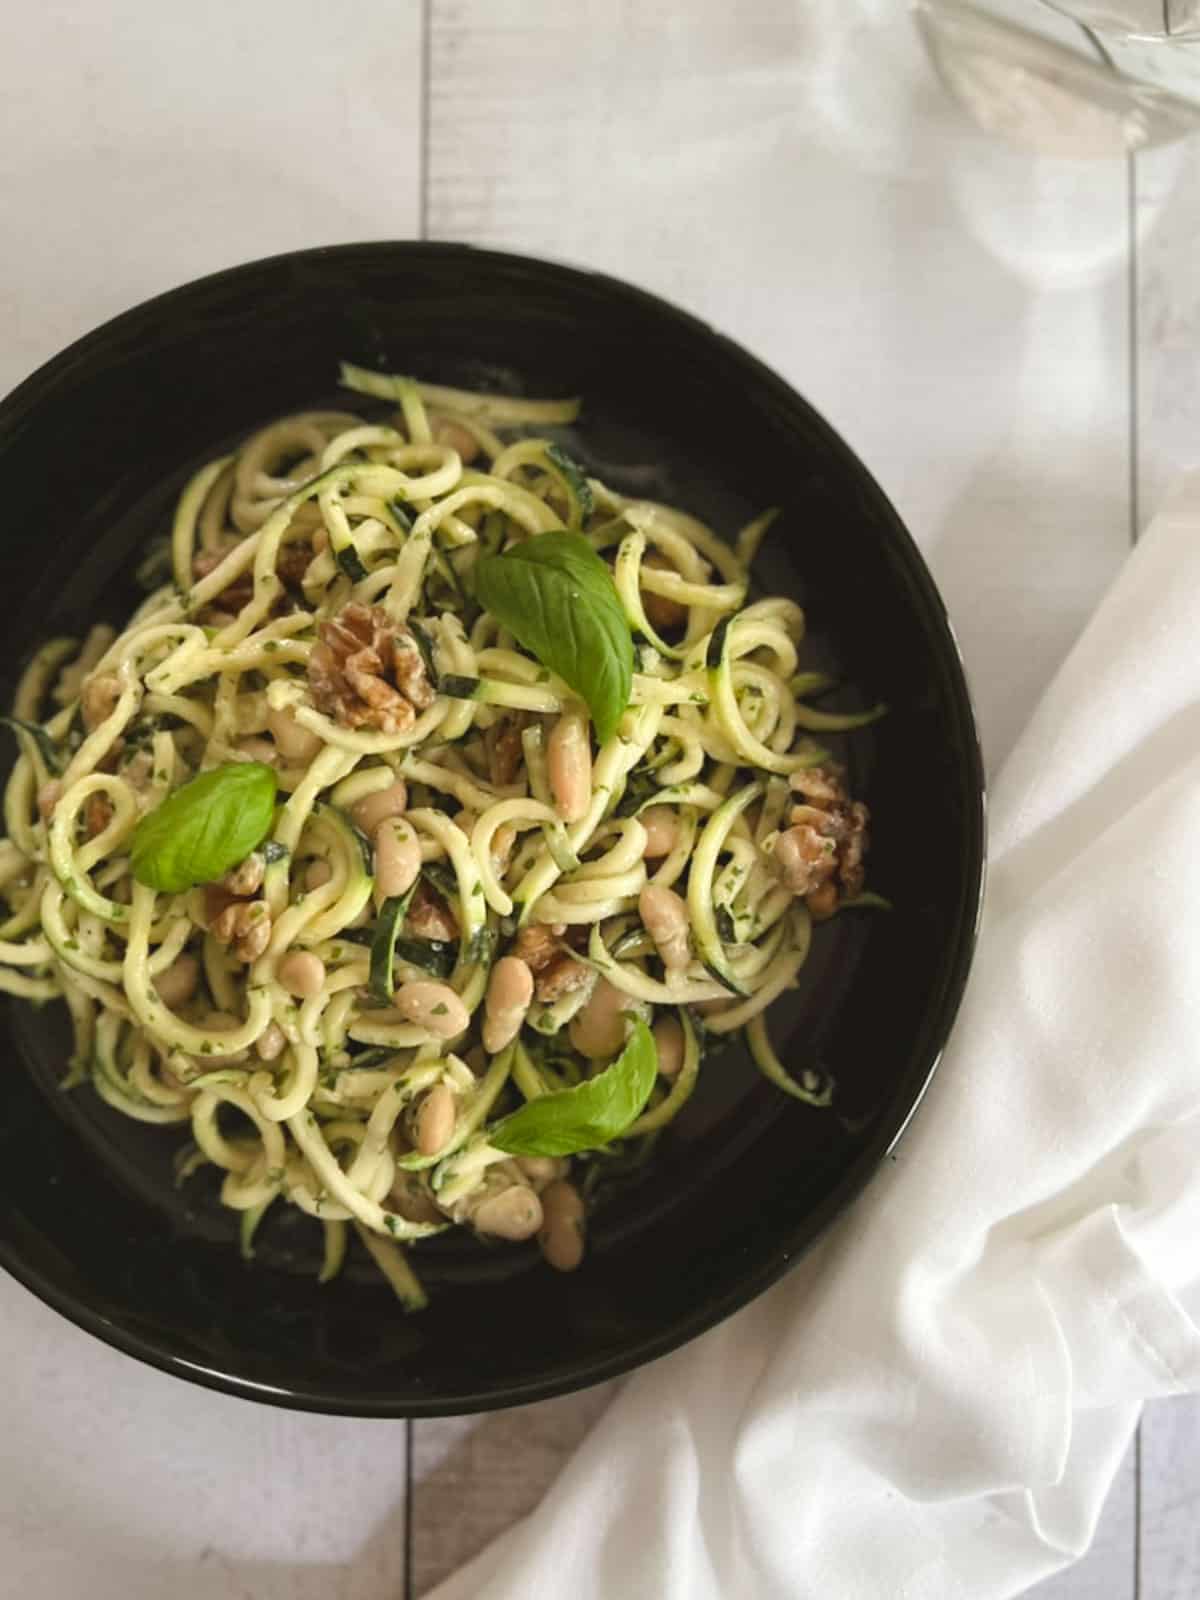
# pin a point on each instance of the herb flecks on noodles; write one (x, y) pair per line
(408, 845)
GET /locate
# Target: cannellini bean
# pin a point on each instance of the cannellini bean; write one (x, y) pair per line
(397, 857)
(598, 1031)
(254, 749)
(541, 1170)
(515, 1213)
(411, 1197)
(662, 831)
(370, 811)
(456, 438)
(99, 697)
(294, 742)
(301, 973)
(666, 919)
(668, 1041)
(661, 611)
(430, 1005)
(569, 765)
(510, 990)
(562, 1230)
(270, 1042)
(317, 874)
(434, 1120)
(177, 984)
(714, 1008)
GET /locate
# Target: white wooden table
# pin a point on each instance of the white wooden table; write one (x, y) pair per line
(1011, 346)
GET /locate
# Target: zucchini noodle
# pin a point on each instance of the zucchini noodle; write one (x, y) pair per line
(332, 1017)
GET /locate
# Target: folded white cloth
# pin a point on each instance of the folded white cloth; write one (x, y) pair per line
(934, 1403)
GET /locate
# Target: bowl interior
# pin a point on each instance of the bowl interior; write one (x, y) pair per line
(94, 449)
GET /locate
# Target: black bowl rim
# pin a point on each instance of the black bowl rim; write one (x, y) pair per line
(789, 1249)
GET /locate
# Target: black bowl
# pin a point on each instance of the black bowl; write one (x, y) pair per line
(93, 448)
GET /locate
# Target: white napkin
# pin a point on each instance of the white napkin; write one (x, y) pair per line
(934, 1403)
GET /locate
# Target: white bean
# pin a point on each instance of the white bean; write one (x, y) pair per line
(397, 857)
(569, 765)
(541, 1170)
(457, 438)
(668, 1041)
(177, 984)
(317, 873)
(270, 1042)
(714, 1008)
(255, 749)
(370, 811)
(301, 973)
(510, 991)
(294, 742)
(666, 919)
(662, 831)
(434, 1121)
(661, 611)
(562, 1231)
(515, 1213)
(430, 1005)
(410, 1196)
(598, 1031)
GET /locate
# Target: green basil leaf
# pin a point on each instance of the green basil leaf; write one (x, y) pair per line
(204, 828)
(557, 597)
(383, 943)
(588, 1116)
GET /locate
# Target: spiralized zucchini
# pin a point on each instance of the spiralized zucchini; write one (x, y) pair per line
(335, 1042)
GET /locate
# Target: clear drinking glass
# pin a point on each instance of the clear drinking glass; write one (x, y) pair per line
(1071, 77)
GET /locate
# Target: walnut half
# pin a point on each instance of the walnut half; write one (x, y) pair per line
(820, 855)
(367, 672)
